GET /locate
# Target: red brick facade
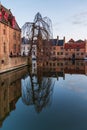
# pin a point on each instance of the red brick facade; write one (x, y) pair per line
(10, 33)
(70, 50)
(10, 40)
(75, 49)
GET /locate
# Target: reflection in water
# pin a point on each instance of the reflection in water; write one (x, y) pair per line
(38, 86)
(35, 93)
(10, 91)
(35, 86)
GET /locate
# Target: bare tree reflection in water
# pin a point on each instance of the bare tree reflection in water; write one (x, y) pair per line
(37, 90)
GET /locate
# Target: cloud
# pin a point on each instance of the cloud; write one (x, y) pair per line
(77, 22)
(80, 19)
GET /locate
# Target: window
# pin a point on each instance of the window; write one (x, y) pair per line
(66, 63)
(54, 48)
(18, 36)
(82, 53)
(34, 53)
(34, 64)
(61, 53)
(61, 48)
(57, 53)
(53, 64)
(4, 47)
(14, 48)
(18, 47)
(61, 64)
(57, 64)
(66, 53)
(4, 31)
(50, 64)
(77, 53)
(46, 63)
(28, 48)
(78, 49)
(33, 48)
(14, 35)
(54, 53)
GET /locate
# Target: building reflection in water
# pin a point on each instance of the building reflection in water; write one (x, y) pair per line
(62, 67)
(10, 91)
(35, 87)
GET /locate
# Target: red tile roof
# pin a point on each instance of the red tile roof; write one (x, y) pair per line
(7, 17)
(71, 40)
(74, 45)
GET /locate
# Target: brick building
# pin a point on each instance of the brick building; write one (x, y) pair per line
(75, 49)
(10, 34)
(57, 48)
(70, 50)
(10, 40)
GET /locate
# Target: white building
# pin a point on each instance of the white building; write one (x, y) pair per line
(25, 47)
(25, 51)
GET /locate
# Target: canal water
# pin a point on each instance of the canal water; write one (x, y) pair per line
(45, 100)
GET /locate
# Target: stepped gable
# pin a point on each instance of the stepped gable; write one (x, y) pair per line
(71, 41)
(6, 17)
(74, 44)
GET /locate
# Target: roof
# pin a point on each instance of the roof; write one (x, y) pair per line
(60, 42)
(79, 41)
(7, 18)
(74, 45)
(57, 42)
(71, 40)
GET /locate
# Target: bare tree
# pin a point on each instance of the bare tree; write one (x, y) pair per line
(39, 30)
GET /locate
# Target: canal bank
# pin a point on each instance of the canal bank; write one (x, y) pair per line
(13, 63)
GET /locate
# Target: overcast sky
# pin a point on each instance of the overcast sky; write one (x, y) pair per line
(69, 17)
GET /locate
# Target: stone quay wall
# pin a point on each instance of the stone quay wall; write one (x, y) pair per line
(11, 63)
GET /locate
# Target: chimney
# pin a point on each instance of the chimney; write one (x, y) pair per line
(57, 37)
(64, 39)
(57, 40)
(0, 4)
(9, 10)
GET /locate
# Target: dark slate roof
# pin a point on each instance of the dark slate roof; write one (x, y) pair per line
(60, 42)
(56, 42)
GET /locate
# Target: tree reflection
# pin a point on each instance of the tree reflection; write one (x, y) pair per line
(37, 90)
(37, 87)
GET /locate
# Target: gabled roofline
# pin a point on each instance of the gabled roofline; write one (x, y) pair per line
(7, 22)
